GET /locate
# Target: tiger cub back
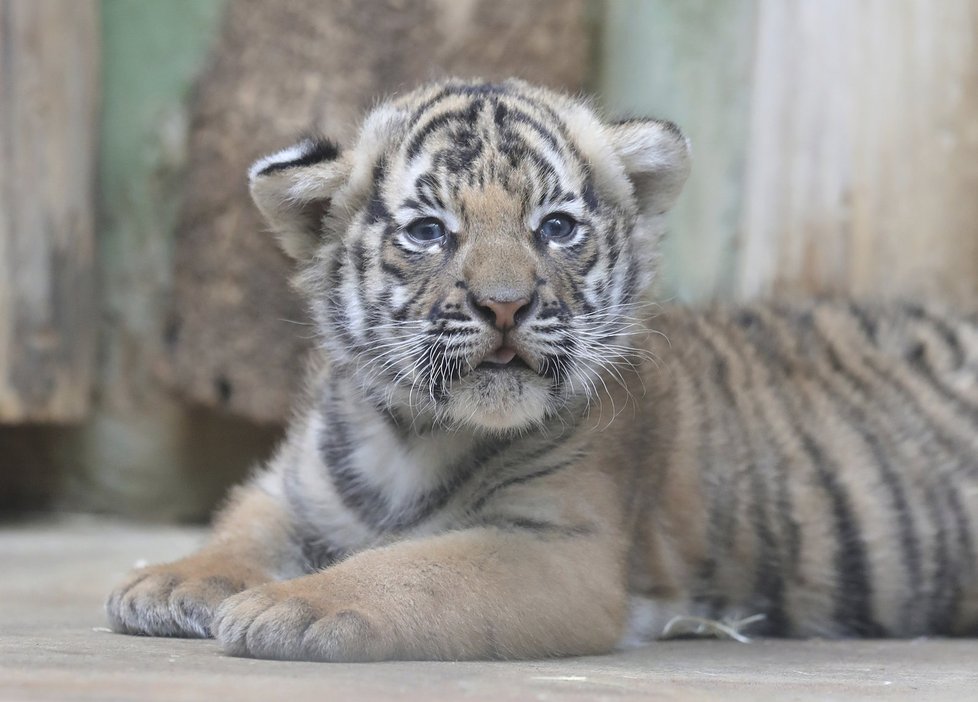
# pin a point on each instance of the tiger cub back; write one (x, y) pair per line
(819, 465)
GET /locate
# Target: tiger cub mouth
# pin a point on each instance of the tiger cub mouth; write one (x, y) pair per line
(504, 358)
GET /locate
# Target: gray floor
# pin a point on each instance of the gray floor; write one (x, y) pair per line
(54, 646)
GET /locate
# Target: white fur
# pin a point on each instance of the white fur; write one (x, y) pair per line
(287, 155)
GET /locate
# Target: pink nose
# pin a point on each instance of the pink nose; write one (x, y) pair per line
(505, 314)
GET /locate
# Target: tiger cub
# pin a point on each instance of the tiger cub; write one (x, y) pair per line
(506, 452)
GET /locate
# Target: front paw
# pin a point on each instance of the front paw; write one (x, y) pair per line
(286, 621)
(168, 601)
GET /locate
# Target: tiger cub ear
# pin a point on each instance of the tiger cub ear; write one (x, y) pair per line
(293, 189)
(656, 156)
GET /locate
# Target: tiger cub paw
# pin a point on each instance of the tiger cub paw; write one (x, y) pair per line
(174, 599)
(284, 622)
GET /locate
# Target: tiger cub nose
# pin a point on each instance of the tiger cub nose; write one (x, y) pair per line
(502, 314)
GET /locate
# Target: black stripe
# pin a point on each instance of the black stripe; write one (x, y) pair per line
(376, 210)
(963, 527)
(919, 363)
(338, 318)
(467, 115)
(535, 526)
(588, 265)
(860, 422)
(945, 330)
(961, 450)
(358, 252)
(321, 150)
(853, 609)
(760, 340)
(908, 397)
(525, 118)
(706, 592)
(393, 271)
(558, 123)
(401, 313)
(769, 585)
(337, 446)
(520, 153)
(317, 552)
(461, 472)
(941, 601)
(430, 103)
(481, 501)
(854, 592)
(369, 503)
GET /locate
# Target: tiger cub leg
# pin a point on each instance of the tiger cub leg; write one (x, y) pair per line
(483, 592)
(179, 599)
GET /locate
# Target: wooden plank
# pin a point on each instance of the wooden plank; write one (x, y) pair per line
(835, 143)
(49, 52)
(863, 155)
(689, 61)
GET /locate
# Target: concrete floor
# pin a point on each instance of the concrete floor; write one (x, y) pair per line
(54, 646)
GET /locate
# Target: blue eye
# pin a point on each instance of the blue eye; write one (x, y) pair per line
(558, 228)
(425, 231)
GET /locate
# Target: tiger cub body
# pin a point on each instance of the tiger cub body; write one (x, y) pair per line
(505, 451)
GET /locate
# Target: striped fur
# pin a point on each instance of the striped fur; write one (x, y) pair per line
(832, 449)
(816, 463)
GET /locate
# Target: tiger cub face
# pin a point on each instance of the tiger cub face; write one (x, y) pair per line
(474, 257)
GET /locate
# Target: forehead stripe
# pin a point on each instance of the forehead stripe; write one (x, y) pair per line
(525, 118)
(466, 116)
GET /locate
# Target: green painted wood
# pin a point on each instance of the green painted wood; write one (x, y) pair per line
(145, 453)
(151, 53)
(689, 61)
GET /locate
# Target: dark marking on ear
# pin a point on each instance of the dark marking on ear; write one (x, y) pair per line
(316, 150)
(670, 127)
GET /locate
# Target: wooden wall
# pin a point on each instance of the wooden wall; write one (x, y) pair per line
(49, 89)
(835, 146)
(835, 141)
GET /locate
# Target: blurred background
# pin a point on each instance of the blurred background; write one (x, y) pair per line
(149, 344)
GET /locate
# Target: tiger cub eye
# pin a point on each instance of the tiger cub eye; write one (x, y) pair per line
(426, 231)
(558, 228)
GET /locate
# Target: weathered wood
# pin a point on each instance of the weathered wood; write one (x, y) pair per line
(143, 452)
(862, 168)
(49, 53)
(835, 143)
